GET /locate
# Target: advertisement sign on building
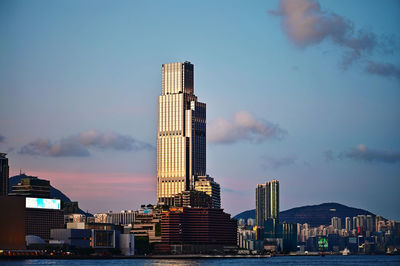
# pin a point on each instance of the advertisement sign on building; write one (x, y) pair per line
(323, 243)
(39, 203)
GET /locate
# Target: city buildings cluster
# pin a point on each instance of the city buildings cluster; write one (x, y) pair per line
(186, 219)
(359, 234)
(35, 220)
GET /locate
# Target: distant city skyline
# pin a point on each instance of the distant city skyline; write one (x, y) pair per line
(306, 92)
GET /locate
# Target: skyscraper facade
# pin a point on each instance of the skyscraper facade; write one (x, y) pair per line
(4, 172)
(181, 138)
(267, 202)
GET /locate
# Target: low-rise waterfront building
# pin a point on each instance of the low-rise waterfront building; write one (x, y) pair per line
(195, 230)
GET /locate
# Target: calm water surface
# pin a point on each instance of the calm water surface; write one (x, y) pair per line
(288, 260)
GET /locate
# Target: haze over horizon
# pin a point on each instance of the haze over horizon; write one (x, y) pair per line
(305, 92)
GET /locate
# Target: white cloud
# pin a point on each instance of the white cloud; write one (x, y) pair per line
(243, 126)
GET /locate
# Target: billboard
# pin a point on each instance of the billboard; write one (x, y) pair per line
(39, 203)
(147, 211)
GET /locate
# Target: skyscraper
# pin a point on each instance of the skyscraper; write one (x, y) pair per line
(267, 202)
(181, 138)
(4, 172)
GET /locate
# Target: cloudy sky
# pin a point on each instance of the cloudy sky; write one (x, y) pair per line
(303, 91)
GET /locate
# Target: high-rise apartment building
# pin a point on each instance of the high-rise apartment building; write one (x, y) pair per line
(354, 223)
(362, 221)
(370, 223)
(4, 172)
(336, 222)
(347, 222)
(267, 202)
(260, 204)
(181, 138)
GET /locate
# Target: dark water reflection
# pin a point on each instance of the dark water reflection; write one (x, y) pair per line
(287, 260)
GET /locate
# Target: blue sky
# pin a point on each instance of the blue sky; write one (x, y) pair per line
(83, 78)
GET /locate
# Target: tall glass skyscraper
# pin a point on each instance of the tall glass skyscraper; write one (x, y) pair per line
(267, 202)
(181, 138)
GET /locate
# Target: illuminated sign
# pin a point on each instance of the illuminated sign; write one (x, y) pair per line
(323, 243)
(39, 203)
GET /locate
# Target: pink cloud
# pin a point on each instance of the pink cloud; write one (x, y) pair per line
(306, 23)
(78, 145)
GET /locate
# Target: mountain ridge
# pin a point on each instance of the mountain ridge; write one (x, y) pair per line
(314, 215)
